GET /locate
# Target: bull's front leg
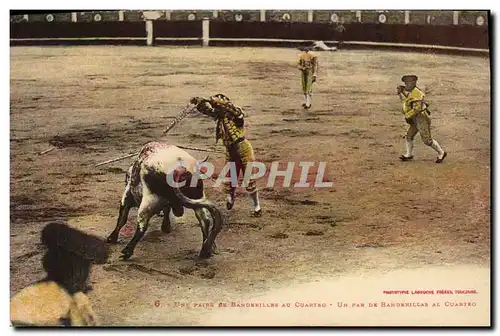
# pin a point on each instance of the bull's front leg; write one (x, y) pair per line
(122, 219)
(150, 205)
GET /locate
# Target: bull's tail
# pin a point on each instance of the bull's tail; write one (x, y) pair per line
(191, 203)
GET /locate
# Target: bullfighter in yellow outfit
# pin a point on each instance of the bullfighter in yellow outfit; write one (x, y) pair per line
(308, 66)
(230, 128)
(60, 299)
(417, 115)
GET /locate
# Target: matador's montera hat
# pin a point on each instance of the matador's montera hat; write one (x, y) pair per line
(409, 78)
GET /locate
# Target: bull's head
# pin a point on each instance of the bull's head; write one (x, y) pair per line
(191, 176)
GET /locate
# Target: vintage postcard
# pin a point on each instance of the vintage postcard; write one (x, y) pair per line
(250, 168)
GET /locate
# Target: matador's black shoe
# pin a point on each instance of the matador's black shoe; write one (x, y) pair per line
(229, 205)
(257, 213)
(406, 158)
(439, 160)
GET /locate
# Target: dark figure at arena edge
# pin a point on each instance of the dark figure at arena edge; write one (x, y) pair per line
(60, 299)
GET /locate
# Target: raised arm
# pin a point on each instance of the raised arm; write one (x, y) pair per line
(231, 111)
(401, 92)
(203, 106)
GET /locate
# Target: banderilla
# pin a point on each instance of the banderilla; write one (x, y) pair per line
(133, 154)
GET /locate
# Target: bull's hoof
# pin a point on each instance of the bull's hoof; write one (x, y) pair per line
(205, 254)
(125, 257)
(112, 239)
(126, 254)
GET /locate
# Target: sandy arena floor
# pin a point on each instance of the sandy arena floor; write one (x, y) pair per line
(381, 214)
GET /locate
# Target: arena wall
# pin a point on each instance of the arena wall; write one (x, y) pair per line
(461, 30)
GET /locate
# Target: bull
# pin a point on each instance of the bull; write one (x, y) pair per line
(147, 188)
